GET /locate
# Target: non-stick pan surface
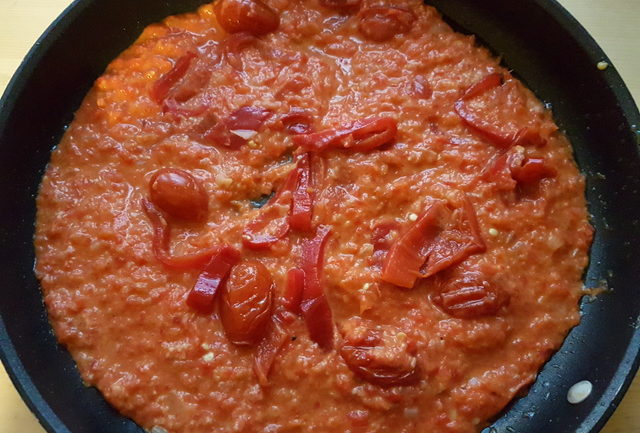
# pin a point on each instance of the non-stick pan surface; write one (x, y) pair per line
(545, 47)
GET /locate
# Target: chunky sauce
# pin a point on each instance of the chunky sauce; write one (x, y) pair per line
(317, 215)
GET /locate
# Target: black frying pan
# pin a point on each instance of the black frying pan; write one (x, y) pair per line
(539, 40)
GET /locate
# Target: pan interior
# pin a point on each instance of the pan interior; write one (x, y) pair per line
(545, 48)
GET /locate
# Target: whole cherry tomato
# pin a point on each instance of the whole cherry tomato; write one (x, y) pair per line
(179, 194)
(381, 23)
(252, 16)
(379, 354)
(246, 303)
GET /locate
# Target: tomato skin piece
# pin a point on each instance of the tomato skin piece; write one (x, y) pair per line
(410, 251)
(172, 106)
(179, 194)
(244, 118)
(382, 239)
(276, 338)
(528, 137)
(315, 306)
(302, 199)
(363, 135)
(433, 243)
(252, 16)
(203, 295)
(253, 236)
(161, 237)
(163, 85)
(381, 23)
(233, 46)
(246, 303)
(294, 290)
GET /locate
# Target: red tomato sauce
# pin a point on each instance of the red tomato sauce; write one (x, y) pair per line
(316, 215)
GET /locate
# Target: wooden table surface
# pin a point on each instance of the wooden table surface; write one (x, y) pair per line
(615, 24)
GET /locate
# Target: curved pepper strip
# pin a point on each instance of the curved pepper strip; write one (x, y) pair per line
(532, 170)
(296, 193)
(409, 253)
(294, 290)
(362, 135)
(489, 82)
(161, 237)
(253, 235)
(163, 85)
(315, 306)
(302, 202)
(202, 297)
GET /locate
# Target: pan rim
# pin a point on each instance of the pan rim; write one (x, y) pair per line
(36, 403)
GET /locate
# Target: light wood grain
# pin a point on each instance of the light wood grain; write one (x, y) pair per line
(615, 24)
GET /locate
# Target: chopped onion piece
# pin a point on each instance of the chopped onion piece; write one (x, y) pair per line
(244, 133)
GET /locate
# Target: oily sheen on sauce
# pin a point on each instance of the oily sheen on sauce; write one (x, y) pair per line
(316, 215)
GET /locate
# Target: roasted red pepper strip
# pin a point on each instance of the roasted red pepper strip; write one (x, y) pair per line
(277, 337)
(294, 290)
(512, 168)
(202, 297)
(163, 85)
(161, 237)
(256, 236)
(362, 135)
(532, 170)
(489, 82)
(297, 121)
(315, 306)
(302, 203)
(410, 251)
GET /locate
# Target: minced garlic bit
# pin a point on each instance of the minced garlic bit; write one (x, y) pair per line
(411, 412)
(224, 181)
(252, 144)
(579, 392)
(602, 65)
(413, 217)
(208, 357)
(366, 286)
(206, 346)
(493, 232)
